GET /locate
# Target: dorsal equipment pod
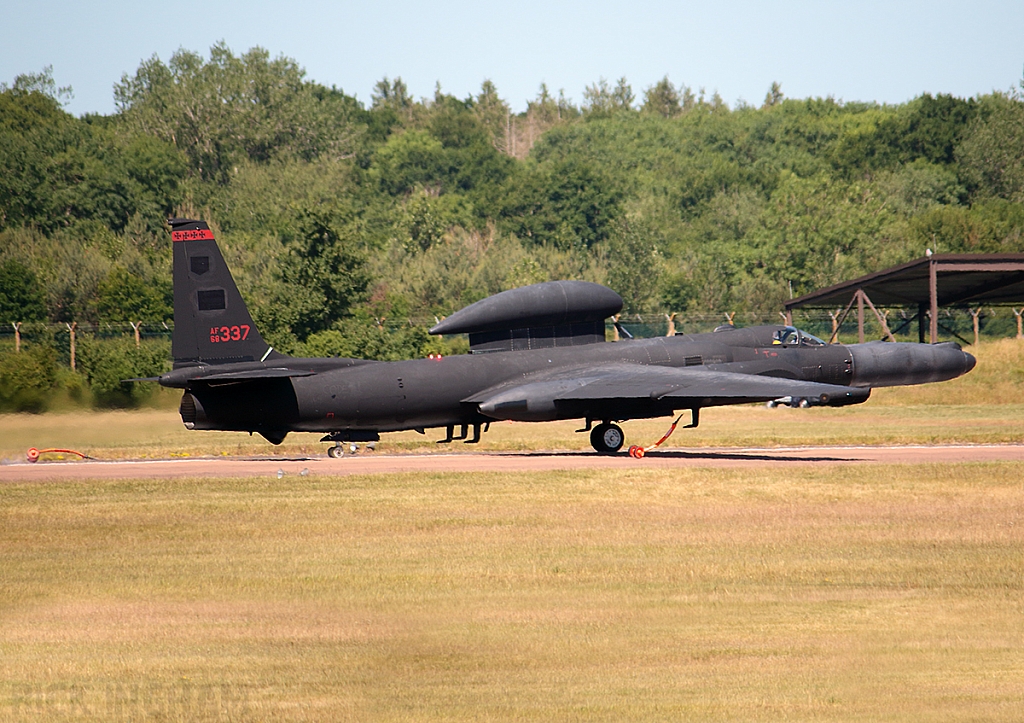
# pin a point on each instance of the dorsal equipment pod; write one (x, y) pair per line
(551, 314)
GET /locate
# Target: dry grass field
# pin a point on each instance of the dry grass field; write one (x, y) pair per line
(808, 594)
(822, 593)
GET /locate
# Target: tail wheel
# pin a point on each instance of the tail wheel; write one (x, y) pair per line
(336, 452)
(607, 438)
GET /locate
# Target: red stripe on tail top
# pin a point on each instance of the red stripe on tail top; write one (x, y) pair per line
(197, 235)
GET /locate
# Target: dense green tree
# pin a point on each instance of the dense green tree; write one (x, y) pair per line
(819, 231)
(26, 379)
(393, 94)
(59, 170)
(547, 111)
(472, 161)
(229, 109)
(391, 107)
(453, 154)
(32, 129)
(662, 99)
(105, 363)
(21, 296)
(493, 114)
(39, 84)
(993, 226)
(362, 338)
(774, 96)
(601, 100)
(567, 205)
(928, 128)
(634, 263)
(992, 150)
(427, 218)
(410, 160)
(126, 297)
(323, 275)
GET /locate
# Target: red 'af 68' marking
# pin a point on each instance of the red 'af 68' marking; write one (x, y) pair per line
(228, 333)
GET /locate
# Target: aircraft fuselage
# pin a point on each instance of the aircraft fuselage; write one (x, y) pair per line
(422, 393)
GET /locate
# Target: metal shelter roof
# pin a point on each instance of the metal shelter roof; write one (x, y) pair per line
(961, 280)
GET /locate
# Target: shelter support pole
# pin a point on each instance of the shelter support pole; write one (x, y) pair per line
(860, 316)
(933, 292)
(842, 318)
(920, 323)
(879, 316)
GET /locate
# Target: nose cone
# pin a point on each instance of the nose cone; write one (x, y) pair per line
(969, 362)
(884, 364)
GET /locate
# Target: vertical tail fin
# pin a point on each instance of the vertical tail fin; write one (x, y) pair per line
(211, 322)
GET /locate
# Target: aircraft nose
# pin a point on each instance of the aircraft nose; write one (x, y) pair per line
(969, 362)
(887, 364)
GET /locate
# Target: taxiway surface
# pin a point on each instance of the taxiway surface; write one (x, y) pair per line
(369, 463)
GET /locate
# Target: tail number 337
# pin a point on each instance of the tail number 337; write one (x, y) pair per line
(228, 333)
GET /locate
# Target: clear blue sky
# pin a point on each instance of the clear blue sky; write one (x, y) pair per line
(883, 51)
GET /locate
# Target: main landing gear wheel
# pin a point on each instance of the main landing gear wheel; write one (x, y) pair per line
(336, 452)
(607, 438)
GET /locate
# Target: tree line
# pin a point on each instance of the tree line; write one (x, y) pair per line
(338, 216)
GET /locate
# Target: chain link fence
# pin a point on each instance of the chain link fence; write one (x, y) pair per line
(954, 324)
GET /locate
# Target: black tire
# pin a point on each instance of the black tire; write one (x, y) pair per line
(607, 438)
(335, 452)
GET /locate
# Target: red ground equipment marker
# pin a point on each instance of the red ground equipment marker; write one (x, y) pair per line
(33, 454)
(638, 452)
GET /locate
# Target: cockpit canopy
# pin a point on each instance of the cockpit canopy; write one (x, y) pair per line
(791, 336)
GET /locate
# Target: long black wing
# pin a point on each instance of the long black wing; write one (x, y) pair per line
(692, 384)
(679, 388)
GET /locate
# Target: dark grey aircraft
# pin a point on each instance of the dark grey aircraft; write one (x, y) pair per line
(538, 354)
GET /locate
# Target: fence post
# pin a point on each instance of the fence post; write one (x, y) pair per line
(136, 326)
(671, 324)
(1017, 313)
(835, 322)
(974, 316)
(71, 330)
(17, 336)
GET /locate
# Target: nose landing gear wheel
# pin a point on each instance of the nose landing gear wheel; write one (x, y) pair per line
(336, 452)
(607, 438)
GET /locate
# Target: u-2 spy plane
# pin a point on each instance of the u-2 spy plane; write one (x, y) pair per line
(538, 353)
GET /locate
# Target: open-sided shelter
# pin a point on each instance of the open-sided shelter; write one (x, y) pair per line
(927, 284)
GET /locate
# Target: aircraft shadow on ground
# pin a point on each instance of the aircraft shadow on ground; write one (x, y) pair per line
(681, 454)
